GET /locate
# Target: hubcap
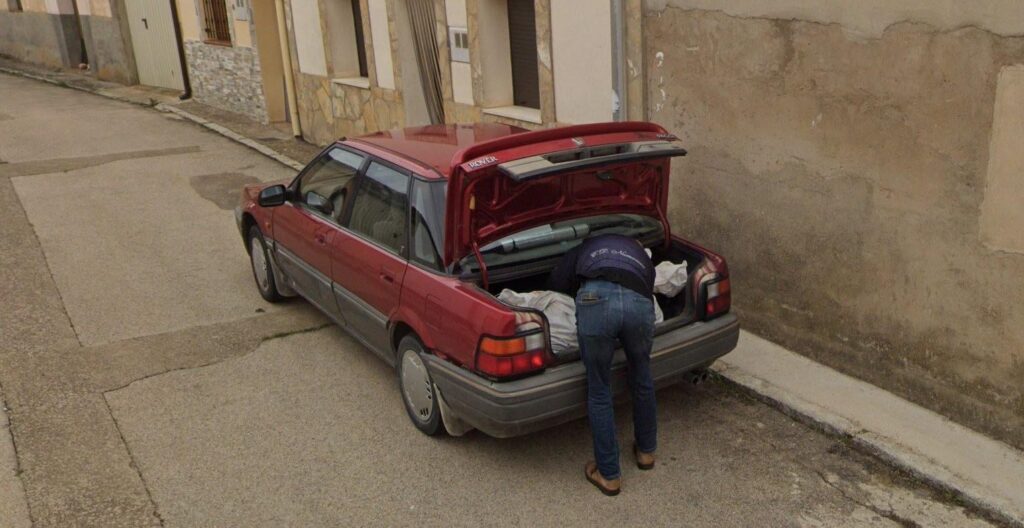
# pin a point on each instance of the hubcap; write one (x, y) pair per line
(416, 386)
(259, 264)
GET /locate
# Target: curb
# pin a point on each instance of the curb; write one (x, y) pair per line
(232, 135)
(64, 84)
(888, 450)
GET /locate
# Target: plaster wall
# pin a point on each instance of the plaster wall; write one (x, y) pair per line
(380, 35)
(309, 40)
(188, 19)
(582, 66)
(839, 159)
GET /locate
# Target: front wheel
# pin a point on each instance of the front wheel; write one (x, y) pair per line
(418, 391)
(261, 267)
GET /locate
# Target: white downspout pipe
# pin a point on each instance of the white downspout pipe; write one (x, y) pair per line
(286, 60)
(619, 59)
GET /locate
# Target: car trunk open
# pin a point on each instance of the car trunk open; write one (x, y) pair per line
(511, 184)
(527, 276)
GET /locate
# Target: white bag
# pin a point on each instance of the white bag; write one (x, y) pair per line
(559, 308)
(670, 278)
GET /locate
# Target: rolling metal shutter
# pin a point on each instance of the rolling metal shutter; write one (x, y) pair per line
(522, 32)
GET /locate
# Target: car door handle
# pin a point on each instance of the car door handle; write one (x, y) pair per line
(387, 277)
(320, 239)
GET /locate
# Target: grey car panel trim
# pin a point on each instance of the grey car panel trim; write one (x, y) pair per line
(558, 395)
(351, 299)
(312, 272)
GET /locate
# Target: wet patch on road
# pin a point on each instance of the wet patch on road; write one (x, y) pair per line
(222, 189)
(5, 117)
(32, 168)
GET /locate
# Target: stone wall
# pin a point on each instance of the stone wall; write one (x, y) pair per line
(227, 77)
(840, 165)
(330, 110)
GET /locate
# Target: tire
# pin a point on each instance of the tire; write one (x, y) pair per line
(262, 272)
(418, 393)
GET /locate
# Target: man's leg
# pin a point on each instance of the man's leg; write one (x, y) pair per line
(594, 323)
(637, 338)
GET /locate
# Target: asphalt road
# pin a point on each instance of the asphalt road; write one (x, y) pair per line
(147, 383)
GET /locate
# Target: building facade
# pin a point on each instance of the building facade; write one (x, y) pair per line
(367, 65)
(69, 33)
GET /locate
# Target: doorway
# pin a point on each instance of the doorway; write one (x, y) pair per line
(154, 43)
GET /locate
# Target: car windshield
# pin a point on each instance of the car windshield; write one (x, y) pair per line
(554, 239)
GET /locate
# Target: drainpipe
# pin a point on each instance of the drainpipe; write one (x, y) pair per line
(619, 59)
(187, 94)
(286, 59)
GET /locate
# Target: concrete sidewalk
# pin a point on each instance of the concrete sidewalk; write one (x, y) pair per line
(982, 472)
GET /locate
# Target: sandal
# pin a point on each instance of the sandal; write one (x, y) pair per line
(636, 454)
(589, 471)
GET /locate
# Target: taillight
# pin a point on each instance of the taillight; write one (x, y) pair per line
(718, 297)
(525, 352)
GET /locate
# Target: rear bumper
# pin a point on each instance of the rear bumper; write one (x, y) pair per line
(559, 394)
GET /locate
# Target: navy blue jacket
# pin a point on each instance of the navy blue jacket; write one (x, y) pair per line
(614, 258)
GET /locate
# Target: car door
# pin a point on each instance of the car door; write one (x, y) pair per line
(368, 257)
(307, 223)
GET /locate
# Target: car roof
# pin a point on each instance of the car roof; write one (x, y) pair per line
(434, 146)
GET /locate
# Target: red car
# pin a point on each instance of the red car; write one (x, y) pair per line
(404, 238)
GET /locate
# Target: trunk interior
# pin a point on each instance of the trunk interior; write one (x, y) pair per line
(678, 310)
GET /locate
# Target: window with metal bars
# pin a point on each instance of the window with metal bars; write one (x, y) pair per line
(215, 14)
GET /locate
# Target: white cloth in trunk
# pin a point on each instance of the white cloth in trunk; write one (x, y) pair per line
(669, 278)
(560, 310)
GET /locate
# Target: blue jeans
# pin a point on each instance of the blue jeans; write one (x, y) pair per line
(608, 314)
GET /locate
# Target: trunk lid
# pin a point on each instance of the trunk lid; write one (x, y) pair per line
(503, 186)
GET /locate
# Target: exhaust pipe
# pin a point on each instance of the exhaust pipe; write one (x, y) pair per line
(697, 376)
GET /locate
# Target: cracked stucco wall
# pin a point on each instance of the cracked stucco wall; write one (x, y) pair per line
(840, 159)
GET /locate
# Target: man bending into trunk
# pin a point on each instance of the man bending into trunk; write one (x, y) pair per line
(613, 281)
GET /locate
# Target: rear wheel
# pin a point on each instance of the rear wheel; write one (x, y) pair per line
(418, 392)
(261, 267)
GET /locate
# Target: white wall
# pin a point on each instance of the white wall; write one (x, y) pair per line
(581, 48)
(495, 60)
(309, 39)
(462, 73)
(342, 37)
(381, 38)
(462, 82)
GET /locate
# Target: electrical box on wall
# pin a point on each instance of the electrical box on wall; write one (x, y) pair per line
(458, 40)
(242, 10)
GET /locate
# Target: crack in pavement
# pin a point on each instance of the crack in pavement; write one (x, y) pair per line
(48, 166)
(134, 463)
(17, 459)
(888, 514)
(278, 335)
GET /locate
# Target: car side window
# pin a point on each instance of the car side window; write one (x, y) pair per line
(428, 199)
(331, 177)
(380, 206)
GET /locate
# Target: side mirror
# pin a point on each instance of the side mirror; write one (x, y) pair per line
(273, 196)
(319, 203)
